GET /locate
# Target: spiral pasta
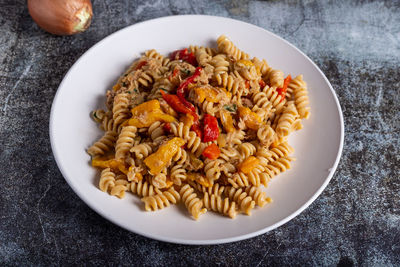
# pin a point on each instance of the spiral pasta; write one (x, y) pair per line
(125, 142)
(142, 150)
(143, 189)
(105, 144)
(223, 206)
(192, 202)
(208, 126)
(161, 200)
(107, 180)
(287, 119)
(226, 46)
(300, 92)
(245, 202)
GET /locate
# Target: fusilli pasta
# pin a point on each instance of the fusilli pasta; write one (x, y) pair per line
(208, 126)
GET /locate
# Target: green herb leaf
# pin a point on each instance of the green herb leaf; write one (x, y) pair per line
(230, 108)
(136, 90)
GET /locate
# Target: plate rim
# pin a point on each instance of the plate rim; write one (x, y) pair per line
(195, 241)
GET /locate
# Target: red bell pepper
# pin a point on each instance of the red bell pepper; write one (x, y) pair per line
(211, 152)
(184, 55)
(178, 106)
(167, 127)
(210, 130)
(247, 84)
(282, 91)
(261, 83)
(175, 103)
(141, 64)
(174, 73)
(180, 92)
(196, 127)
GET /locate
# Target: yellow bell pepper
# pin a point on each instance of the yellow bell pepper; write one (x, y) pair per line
(169, 183)
(199, 178)
(117, 87)
(250, 118)
(210, 94)
(227, 121)
(187, 120)
(248, 164)
(245, 62)
(147, 113)
(157, 161)
(149, 106)
(109, 163)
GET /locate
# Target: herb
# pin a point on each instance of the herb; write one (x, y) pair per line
(232, 108)
(165, 90)
(186, 71)
(129, 92)
(135, 90)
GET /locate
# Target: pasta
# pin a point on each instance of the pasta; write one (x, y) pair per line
(207, 127)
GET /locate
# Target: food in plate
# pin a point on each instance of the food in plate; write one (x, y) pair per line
(206, 127)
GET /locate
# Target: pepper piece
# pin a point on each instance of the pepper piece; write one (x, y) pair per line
(196, 128)
(249, 164)
(167, 127)
(175, 103)
(200, 179)
(109, 163)
(211, 152)
(141, 64)
(178, 106)
(227, 121)
(147, 113)
(157, 161)
(210, 129)
(184, 54)
(262, 83)
(282, 91)
(180, 92)
(250, 118)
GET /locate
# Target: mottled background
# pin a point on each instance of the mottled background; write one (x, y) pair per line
(356, 220)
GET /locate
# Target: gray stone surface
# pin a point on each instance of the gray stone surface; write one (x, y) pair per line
(356, 220)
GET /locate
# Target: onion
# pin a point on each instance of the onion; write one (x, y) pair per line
(61, 17)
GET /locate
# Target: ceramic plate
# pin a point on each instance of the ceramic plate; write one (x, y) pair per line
(318, 146)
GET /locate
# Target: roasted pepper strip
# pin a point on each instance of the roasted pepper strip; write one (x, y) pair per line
(249, 164)
(157, 161)
(210, 129)
(175, 102)
(109, 163)
(250, 118)
(178, 106)
(147, 113)
(261, 83)
(227, 121)
(211, 152)
(196, 128)
(180, 92)
(282, 91)
(141, 64)
(184, 55)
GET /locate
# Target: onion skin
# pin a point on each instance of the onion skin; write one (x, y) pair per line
(61, 17)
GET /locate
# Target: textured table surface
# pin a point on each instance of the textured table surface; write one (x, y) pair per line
(356, 220)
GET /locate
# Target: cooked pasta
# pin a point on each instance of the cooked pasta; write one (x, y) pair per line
(205, 125)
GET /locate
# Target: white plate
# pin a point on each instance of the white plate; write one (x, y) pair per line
(318, 146)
